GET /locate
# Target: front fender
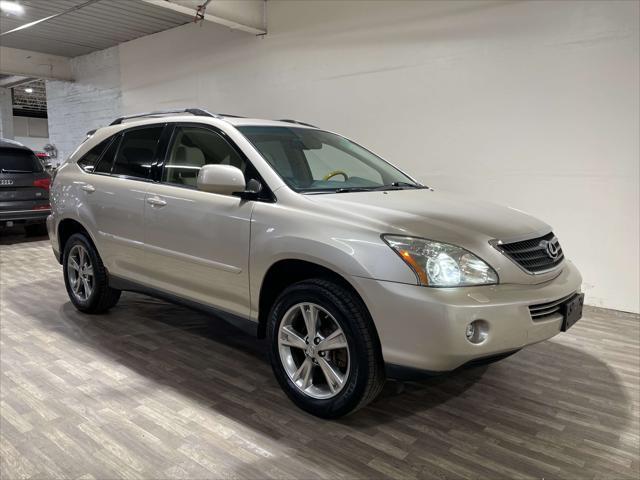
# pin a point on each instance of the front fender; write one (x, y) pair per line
(346, 249)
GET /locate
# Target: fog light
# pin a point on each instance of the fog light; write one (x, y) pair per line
(477, 331)
(471, 331)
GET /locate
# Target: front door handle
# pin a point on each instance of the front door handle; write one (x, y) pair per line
(156, 202)
(88, 188)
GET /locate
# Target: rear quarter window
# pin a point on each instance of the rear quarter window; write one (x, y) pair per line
(17, 160)
(89, 159)
(105, 162)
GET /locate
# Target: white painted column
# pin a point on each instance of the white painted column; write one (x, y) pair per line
(6, 114)
(91, 101)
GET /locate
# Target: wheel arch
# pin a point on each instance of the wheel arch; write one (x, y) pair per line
(286, 272)
(66, 228)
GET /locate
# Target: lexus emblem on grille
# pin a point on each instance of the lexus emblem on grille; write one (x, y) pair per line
(6, 182)
(551, 248)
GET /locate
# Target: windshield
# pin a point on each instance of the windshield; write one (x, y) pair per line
(17, 160)
(311, 160)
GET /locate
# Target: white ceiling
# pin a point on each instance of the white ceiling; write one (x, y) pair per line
(97, 26)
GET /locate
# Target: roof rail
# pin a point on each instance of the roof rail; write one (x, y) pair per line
(193, 111)
(288, 120)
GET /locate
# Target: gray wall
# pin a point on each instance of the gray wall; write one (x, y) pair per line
(31, 132)
(530, 104)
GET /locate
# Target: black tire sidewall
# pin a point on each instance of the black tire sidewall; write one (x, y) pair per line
(91, 302)
(352, 393)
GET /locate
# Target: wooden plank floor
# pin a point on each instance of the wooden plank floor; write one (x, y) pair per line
(155, 391)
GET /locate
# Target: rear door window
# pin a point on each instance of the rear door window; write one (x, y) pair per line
(18, 160)
(137, 152)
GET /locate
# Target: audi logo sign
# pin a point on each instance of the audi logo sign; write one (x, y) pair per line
(6, 182)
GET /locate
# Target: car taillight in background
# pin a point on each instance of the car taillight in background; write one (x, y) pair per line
(42, 183)
(42, 155)
(42, 207)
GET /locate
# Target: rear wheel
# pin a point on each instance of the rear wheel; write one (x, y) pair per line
(86, 278)
(324, 350)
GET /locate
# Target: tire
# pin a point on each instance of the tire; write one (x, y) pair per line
(35, 230)
(100, 296)
(363, 375)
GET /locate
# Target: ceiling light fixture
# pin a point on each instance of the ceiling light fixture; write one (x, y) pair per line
(28, 90)
(13, 8)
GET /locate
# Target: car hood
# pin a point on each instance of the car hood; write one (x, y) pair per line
(432, 214)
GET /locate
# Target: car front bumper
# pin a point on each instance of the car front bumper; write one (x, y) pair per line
(423, 329)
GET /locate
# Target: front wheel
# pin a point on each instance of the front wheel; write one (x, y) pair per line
(85, 277)
(324, 349)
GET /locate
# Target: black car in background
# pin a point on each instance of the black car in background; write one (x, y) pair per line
(24, 189)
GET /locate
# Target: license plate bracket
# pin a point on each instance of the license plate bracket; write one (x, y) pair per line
(572, 311)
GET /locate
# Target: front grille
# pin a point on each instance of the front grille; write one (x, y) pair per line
(549, 309)
(534, 255)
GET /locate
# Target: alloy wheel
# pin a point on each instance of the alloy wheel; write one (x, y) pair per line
(314, 350)
(80, 272)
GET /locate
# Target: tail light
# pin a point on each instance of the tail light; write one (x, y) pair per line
(42, 207)
(42, 183)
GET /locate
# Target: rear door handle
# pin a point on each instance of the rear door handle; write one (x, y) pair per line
(88, 188)
(156, 202)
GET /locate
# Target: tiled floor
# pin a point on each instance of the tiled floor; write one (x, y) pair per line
(153, 390)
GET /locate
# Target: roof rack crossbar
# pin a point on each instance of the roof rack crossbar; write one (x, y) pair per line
(288, 120)
(193, 111)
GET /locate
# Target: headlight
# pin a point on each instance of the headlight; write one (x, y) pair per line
(440, 264)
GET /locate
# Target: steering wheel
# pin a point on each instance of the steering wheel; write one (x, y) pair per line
(334, 173)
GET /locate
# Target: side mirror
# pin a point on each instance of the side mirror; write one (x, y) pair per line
(221, 179)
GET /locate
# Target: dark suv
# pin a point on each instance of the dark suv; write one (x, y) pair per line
(24, 189)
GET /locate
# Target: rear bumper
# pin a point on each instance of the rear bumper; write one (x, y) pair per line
(23, 216)
(53, 237)
(424, 328)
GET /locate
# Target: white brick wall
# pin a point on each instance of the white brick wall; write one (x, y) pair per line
(92, 101)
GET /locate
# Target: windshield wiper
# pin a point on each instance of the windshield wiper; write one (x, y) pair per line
(406, 184)
(354, 189)
(391, 186)
(399, 186)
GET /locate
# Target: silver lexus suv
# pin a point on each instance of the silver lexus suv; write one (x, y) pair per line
(351, 269)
